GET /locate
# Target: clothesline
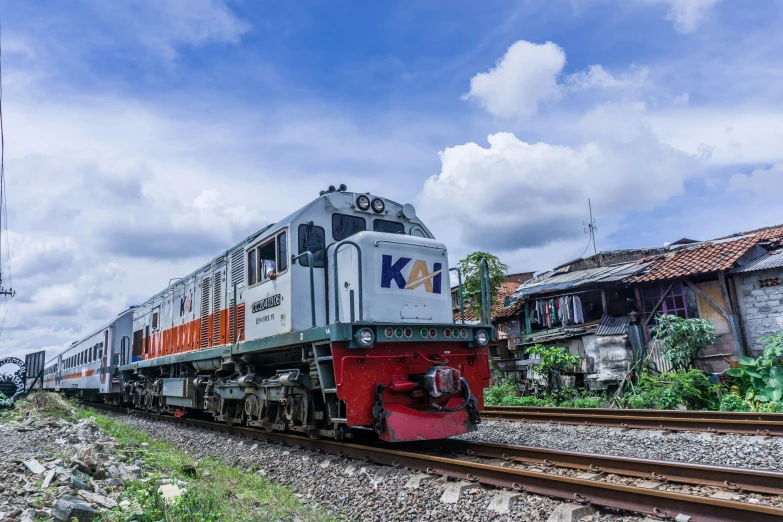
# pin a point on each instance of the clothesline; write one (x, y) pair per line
(531, 298)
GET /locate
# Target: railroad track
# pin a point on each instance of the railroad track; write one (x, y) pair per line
(671, 420)
(663, 504)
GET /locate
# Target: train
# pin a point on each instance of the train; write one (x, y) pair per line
(335, 321)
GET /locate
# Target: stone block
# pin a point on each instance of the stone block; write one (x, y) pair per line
(48, 478)
(453, 491)
(758, 438)
(68, 508)
(725, 495)
(503, 501)
(650, 484)
(34, 466)
(170, 492)
(350, 470)
(28, 515)
(590, 476)
(325, 464)
(571, 513)
(416, 481)
(95, 498)
(79, 484)
(682, 518)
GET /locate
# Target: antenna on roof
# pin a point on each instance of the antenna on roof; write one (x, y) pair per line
(590, 227)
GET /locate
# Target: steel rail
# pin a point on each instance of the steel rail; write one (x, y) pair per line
(674, 420)
(620, 412)
(663, 504)
(735, 479)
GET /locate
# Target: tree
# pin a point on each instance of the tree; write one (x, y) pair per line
(471, 278)
(683, 339)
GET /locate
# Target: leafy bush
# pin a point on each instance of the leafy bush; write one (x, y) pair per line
(683, 339)
(556, 358)
(731, 402)
(500, 391)
(529, 400)
(670, 390)
(762, 379)
(471, 278)
(587, 401)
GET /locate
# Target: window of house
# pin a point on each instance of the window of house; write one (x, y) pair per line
(155, 314)
(282, 252)
(681, 301)
(345, 226)
(312, 239)
(252, 267)
(390, 227)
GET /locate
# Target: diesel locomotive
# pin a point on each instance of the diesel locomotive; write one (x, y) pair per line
(336, 319)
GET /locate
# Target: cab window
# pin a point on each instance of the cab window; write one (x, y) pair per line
(390, 227)
(345, 226)
(282, 252)
(252, 267)
(312, 239)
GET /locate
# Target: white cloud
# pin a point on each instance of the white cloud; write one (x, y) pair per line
(687, 15)
(515, 195)
(596, 77)
(162, 26)
(527, 77)
(766, 181)
(523, 78)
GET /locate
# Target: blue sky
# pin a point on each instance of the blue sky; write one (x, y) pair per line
(145, 136)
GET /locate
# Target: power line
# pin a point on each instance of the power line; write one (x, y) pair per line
(6, 293)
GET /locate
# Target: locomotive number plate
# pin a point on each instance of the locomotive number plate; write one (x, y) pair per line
(267, 302)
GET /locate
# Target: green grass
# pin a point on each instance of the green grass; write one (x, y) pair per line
(218, 493)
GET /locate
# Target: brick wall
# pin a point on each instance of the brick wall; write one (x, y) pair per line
(761, 305)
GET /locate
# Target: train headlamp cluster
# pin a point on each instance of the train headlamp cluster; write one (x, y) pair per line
(363, 203)
(482, 338)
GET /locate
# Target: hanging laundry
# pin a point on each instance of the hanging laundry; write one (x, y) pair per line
(578, 313)
(552, 312)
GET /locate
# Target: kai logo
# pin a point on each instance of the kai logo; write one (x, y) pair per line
(419, 275)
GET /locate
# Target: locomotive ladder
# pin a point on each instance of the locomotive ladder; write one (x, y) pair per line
(322, 353)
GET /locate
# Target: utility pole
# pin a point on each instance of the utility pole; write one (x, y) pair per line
(3, 205)
(591, 228)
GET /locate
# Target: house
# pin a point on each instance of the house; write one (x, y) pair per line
(604, 307)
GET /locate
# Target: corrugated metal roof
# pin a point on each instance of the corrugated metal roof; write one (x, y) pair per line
(773, 259)
(610, 325)
(553, 281)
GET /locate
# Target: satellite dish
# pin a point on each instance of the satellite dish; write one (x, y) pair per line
(408, 212)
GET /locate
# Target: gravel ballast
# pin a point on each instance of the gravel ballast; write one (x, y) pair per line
(739, 451)
(352, 489)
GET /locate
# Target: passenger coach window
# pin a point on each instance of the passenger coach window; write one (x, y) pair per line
(312, 239)
(390, 227)
(345, 226)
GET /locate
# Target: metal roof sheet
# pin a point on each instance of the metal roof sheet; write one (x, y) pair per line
(552, 281)
(773, 259)
(610, 325)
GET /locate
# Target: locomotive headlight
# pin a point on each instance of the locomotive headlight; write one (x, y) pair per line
(365, 337)
(378, 205)
(482, 338)
(363, 202)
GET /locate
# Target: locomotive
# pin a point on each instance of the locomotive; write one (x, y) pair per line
(336, 319)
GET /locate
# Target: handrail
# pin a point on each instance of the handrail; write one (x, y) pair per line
(410, 244)
(486, 298)
(461, 301)
(337, 281)
(309, 255)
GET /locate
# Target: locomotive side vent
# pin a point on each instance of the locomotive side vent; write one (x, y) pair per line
(238, 267)
(205, 312)
(216, 312)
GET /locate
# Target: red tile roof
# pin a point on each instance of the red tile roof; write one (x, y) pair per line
(711, 257)
(498, 312)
